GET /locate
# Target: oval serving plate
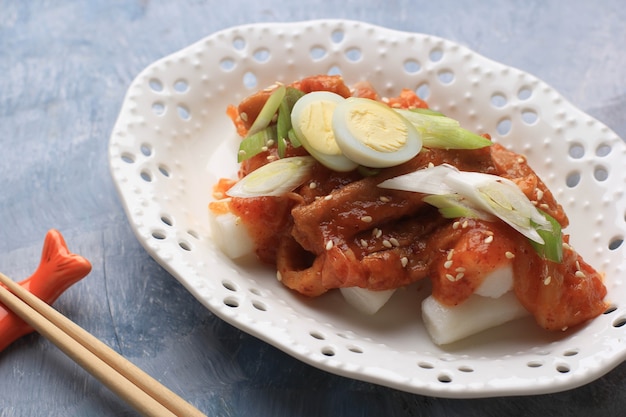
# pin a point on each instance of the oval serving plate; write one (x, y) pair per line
(172, 141)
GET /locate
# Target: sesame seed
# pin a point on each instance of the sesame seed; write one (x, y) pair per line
(366, 219)
(566, 246)
(363, 243)
(580, 274)
(270, 142)
(489, 239)
(520, 160)
(465, 224)
(544, 206)
(244, 116)
(578, 265)
(431, 165)
(450, 277)
(264, 148)
(385, 99)
(313, 185)
(450, 253)
(447, 264)
(384, 199)
(547, 280)
(270, 157)
(242, 152)
(329, 245)
(539, 194)
(387, 243)
(509, 255)
(279, 276)
(459, 276)
(456, 225)
(376, 232)
(404, 261)
(460, 269)
(394, 242)
(328, 197)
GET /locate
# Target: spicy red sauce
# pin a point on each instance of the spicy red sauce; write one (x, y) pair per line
(341, 230)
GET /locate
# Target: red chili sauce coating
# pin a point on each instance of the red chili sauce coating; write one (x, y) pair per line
(341, 230)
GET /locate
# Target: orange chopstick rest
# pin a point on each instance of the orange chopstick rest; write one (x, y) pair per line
(58, 270)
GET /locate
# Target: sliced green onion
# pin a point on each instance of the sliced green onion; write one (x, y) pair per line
(292, 95)
(284, 110)
(428, 112)
(283, 121)
(256, 143)
(293, 138)
(491, 194)
(552, 248)
(367, 172)
(282, 146)
(501, 198)
(439, 131)
(268, 110)
(283, 124)
(274, 179)
(428, 180)
(452, 206)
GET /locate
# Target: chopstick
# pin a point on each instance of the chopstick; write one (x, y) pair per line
(137, 388)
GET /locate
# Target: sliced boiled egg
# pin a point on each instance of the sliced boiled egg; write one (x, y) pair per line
(374, 135)
(311, 118)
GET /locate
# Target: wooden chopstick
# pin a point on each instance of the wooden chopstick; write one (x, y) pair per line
(137, 388)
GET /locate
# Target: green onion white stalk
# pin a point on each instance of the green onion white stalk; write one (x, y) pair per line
(275, 178)
(484, 193)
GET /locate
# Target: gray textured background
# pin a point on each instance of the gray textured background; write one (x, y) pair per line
(64, 69)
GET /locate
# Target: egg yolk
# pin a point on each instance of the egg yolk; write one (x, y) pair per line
(315, 122)
(375, 129)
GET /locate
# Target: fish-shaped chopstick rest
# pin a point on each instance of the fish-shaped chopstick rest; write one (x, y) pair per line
(57, 271)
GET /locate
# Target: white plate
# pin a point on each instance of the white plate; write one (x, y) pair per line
(172, 142)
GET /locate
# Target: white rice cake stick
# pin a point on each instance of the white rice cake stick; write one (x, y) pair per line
(497, 283)
(230, 235)
(366, 301)
(492, 304)
(450, 324)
